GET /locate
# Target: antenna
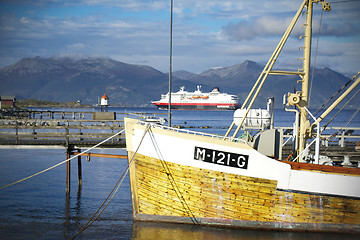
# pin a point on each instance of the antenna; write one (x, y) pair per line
(170, 65)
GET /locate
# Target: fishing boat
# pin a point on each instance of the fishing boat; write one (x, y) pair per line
(214, 100)
(182, 176)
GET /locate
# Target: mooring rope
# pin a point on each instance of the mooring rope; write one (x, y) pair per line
(112, 194)
(67, 160)
(113, 191)
(173, 182)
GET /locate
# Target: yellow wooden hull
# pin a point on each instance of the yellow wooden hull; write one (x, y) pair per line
(164, 191)
(176, 187)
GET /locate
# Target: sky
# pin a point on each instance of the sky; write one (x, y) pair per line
(206, 33)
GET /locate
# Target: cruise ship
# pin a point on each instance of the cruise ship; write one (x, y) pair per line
(214, 100)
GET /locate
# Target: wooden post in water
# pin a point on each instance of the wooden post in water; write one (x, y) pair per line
(79, 169)
(68, 151)
(17, 132)
(67, 133)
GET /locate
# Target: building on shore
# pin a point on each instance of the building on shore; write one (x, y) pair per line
(7, 101)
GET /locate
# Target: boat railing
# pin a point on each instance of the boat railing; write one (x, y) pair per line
(343, 133)
(291, 138)
(180, 130)
(334, 135)
(317, 139)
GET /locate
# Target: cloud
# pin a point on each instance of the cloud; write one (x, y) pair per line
(275, 24)
(76, 46)
(131, 5)
(340, 29)
(206, 33)
(24, 20)
(266, 26)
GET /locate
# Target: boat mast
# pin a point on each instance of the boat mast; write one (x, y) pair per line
(267, 71)
(299, 99)
(304, 127)
(170, 65)
(304, 122)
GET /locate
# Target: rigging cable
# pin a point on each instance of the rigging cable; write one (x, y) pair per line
(351, 118)
(343, 1)
(352, 79)
(333, 96)
(341, 110)
(316, 50)
(316, 112)
(67, 160)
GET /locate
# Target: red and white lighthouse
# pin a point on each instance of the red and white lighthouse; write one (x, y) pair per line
(104, 103)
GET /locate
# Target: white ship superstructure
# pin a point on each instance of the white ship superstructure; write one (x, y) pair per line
(198, 100)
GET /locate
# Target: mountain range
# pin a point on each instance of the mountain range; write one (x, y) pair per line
(65, 79)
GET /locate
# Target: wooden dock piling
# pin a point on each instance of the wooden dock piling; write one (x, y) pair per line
(70, 151)
(42, 129)
(79, 169)
(68, 166)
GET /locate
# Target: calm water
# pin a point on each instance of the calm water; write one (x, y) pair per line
(40, 209)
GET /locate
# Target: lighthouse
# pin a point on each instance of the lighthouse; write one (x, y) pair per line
(104, 103)
(104, 114)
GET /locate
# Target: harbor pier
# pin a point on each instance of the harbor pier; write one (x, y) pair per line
(59, 133)
(63, 129)
(71, 130)
(79, 130)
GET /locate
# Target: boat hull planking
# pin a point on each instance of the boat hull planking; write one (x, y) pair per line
(191, 191)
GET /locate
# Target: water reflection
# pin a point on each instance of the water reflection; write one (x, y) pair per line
(40, 209)
(72, 218)
(78, 201)
(167, 231)
(66, 224)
